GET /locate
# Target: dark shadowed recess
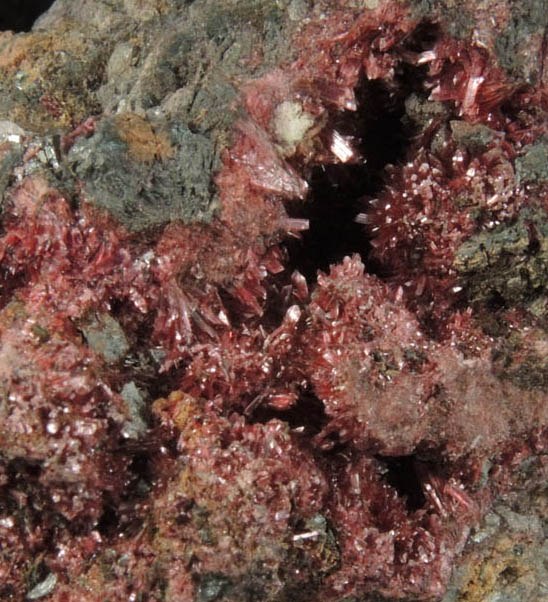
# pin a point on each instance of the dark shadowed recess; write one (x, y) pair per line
(337, 191)
(307, 417)
(403, 474)
(20, 15)
(382, 135)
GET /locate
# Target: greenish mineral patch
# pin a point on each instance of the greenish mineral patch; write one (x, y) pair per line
(10, 156)
(324, 555)
(224, 20)
(513, 46)
(136, 425)
(475, 137)
(532, 374)
(420, 111)
(146, 176)
(523, 359)
(532, 165)
(458, 18)
(44, 588)
(105, 336)
(213, 587)
(509, 264)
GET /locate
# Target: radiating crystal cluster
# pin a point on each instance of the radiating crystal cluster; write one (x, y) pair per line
(185, 416)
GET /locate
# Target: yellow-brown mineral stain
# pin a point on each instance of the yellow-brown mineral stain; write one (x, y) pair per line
(488, 573)
(144, 144)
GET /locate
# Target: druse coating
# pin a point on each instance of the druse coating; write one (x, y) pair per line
(289, 344)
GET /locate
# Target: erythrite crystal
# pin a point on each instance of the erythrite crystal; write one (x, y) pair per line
(246, 489)
(200, 413)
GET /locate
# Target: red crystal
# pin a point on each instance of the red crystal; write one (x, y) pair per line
(326, 435)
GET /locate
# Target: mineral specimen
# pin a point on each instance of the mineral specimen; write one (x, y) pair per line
(303, 362)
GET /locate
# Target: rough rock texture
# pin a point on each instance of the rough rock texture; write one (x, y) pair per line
(273, 310)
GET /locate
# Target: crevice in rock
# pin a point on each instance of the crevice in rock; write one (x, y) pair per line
(401, 473)
(307, 417)
(109, 522)
(382, 134)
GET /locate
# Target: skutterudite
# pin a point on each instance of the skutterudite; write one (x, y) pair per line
(190, 412)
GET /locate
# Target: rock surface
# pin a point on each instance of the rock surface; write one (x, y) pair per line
(273, 313)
